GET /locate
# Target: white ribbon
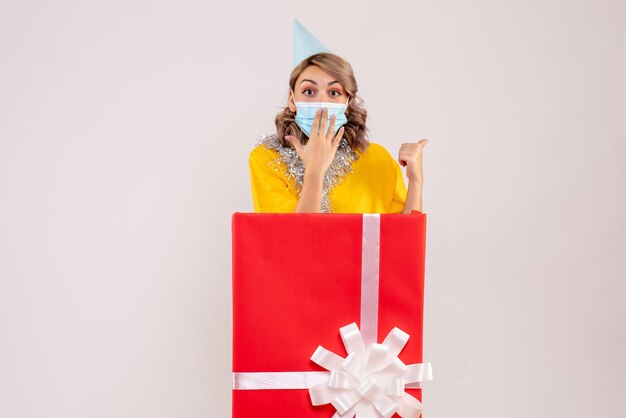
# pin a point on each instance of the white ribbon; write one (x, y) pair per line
(278, 380)
(370, 381)
(370, 261)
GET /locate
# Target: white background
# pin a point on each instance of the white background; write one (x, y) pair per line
(125, 128)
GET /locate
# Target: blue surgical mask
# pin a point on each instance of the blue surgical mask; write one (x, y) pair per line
(305, 114)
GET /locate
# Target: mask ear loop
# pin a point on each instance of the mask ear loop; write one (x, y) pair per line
(295, 103)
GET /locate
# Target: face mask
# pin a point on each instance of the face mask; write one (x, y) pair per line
(305, 114)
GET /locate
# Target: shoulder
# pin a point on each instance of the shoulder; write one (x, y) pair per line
(377, 152)
(262, 152)
(264, 149)
(378, 159)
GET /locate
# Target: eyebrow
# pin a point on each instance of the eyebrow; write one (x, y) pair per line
(311, 81)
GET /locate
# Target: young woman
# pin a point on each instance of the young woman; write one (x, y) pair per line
(320, 160)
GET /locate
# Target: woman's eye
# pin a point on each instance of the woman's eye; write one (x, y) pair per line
(306, 91)
(336, 95)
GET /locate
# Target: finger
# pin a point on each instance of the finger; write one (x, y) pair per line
(331, 128)
(323, 122)
(402, 158)
(316, 122)
(409, 153)
(337, 140)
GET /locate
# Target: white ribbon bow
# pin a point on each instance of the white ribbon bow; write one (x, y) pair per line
(369, 382)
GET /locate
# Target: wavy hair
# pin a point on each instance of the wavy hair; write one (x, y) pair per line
(355, 130)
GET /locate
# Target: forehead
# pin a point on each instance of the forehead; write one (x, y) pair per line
(315, 73)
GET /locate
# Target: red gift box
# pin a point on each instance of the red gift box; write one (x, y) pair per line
(299, 278)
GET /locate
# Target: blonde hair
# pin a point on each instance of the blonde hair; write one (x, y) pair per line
(355, 130)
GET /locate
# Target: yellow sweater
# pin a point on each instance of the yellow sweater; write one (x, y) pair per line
(376, 184)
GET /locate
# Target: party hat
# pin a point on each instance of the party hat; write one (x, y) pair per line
(304, 43)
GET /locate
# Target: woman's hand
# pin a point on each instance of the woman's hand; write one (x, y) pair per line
(410, 156)
(320, 149)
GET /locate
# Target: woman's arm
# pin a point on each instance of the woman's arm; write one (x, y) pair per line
(413, 197)
(311, 193)
(410, 155)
